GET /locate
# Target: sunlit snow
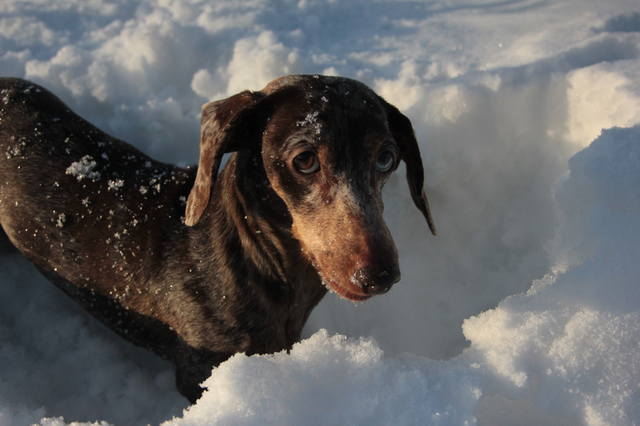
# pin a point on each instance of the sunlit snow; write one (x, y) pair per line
(525, 309)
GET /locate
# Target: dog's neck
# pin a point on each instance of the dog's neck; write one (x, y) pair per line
(259, 217)
(248, 230)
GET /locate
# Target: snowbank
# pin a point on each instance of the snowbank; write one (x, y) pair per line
(570, 345)
(566, 352)
(333, 380)
(501, 94)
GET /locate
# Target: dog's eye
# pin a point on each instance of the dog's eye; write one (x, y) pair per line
(386, 160)
(306, 162)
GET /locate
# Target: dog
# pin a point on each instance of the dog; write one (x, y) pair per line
(198, 265)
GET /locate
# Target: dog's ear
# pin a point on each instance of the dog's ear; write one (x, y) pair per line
(404, 135)
(226, 126)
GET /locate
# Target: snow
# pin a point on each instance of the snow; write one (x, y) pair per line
(575, 336)
(115, 184)
(60, 220)
(350, 383)
(84, 168)
(523, 310)
(311, 120)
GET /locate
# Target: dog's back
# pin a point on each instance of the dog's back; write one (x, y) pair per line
(71, 195)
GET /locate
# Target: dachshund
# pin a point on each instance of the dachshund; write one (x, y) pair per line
(197, 264)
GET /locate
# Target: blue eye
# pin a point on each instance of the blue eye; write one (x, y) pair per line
(386, 160)
(306, 162)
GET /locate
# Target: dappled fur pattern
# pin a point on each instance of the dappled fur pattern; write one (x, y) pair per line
(235, 273)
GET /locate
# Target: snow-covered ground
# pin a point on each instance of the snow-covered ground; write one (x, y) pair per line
(525, 309)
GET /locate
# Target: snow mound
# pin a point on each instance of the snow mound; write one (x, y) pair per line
(334, 380)
(570, 345)
(565, 352)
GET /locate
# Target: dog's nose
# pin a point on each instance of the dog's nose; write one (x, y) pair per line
(376, 281)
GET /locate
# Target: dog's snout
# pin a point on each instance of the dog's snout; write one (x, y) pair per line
(376, 280)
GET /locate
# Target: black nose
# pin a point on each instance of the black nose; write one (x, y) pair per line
(376, 281)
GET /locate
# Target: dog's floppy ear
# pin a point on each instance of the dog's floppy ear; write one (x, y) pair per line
(402, 131)
(224, 128)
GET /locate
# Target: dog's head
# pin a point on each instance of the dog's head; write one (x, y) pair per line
(328, 145)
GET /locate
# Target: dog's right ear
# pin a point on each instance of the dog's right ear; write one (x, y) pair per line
(223, 128)
(402, 130)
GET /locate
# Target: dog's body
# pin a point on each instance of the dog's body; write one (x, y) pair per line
(241, 270)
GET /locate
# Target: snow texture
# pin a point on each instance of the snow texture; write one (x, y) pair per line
(349, 383)
(84, 168)
(115, 184)
(525, 308)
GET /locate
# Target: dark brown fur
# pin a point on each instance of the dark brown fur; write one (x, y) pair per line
(241, 270)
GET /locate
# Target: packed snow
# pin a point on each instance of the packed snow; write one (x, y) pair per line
(525, 309)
